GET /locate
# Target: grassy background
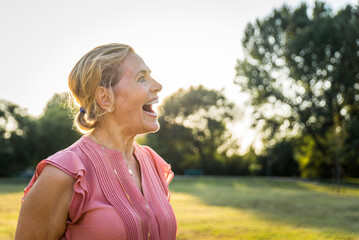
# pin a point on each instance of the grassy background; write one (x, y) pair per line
(11, 192)
(240, 208)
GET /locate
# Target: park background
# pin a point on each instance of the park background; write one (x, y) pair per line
(261, 95)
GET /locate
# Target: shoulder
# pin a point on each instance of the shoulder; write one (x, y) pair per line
(70, 160)
(60, 167)
(143, 149)
(75, 152)
(162, 167)
(46, 205)
(53, 180)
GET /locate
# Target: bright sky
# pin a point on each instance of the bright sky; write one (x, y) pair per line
(184, 42)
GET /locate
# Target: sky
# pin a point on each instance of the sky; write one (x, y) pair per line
(184, 42)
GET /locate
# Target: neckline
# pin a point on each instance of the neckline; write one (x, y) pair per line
(122, 163)
(129, 187)
(97, 145)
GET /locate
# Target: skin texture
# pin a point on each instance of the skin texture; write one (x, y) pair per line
(126, 118)
(44, 212)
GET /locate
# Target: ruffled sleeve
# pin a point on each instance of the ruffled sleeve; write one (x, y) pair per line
(69, 162)
(163, 169)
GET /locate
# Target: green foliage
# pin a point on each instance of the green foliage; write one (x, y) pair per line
(16, 131)
(302, 73)
(280, 161)
(55, 128)
(24, 140)
(193, 133)
(351, 147)
(252, 161)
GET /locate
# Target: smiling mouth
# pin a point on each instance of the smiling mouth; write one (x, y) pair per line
(148, 107)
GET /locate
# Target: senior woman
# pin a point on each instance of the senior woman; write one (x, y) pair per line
(104, 186)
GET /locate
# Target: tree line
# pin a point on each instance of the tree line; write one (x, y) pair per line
(26, 140)
(301, 70)
(301, 73)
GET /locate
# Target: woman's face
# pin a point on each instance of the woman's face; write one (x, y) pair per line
(135, 93)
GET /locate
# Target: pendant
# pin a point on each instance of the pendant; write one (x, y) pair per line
(130, 171)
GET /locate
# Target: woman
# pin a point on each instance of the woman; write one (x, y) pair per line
(104, 186)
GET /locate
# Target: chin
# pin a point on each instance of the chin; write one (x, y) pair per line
(153, 128)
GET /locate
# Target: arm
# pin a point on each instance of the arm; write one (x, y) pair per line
(44, 212)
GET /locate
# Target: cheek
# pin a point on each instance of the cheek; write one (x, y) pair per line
(131, 100)
(139, 95)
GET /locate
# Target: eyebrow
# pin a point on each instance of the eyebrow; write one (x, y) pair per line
(144, 71)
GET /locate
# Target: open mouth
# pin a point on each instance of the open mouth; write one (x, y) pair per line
(148, 108)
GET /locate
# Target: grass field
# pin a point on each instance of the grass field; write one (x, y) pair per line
(240, 208)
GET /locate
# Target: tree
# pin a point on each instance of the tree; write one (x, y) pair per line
(279, 160)
(55, 129)
(16, 128)
(302, 73)
(25, 140)
(193, 133)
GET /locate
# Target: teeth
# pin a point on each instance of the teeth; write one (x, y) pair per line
(152, 102)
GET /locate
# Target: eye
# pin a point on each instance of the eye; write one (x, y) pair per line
(141, 79)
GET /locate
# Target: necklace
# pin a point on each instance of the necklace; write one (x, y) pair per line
(124, 159)
(128, 196)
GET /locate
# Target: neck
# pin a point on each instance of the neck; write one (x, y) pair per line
(115, 139)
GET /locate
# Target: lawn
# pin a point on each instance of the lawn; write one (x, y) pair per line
(240, 208)
(11, 192)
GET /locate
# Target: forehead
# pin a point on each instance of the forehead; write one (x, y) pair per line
(133, 64)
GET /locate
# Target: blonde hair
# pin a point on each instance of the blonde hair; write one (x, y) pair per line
(99, 67)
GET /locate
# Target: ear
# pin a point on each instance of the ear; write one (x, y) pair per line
(104, 98)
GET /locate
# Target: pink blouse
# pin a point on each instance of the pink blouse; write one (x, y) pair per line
(99, 208)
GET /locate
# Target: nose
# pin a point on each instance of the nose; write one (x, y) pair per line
(156, 86)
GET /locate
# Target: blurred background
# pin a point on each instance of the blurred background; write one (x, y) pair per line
(250, 88)
(255, 88)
